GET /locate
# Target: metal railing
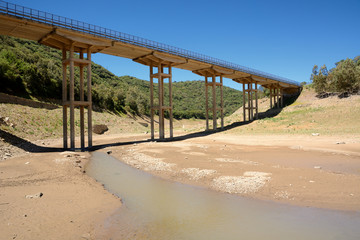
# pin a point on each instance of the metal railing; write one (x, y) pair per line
(15, 10)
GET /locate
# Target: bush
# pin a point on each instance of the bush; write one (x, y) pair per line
(345, 77)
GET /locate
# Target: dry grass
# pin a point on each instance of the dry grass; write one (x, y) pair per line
(38, 123)
(307, 115)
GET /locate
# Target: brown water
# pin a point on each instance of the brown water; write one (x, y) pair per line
(158, 209)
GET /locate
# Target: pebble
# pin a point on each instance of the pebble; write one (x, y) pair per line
(340, 142)
(317, 167)
(109, 152)
(37, 195)
(315, 134)
(311, 181)
(27, 163)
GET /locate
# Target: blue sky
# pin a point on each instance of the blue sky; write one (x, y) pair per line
(285, 38)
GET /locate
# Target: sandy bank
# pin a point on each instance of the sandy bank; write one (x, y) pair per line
(71, 205)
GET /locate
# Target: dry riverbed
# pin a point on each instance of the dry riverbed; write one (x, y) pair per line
(309, 171)
(48, 196)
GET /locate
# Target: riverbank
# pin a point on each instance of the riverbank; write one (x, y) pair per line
(48, 196)
(311, 171)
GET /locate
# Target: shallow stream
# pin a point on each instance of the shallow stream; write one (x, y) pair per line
(158, 209)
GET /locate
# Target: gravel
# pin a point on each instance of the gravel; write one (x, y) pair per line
(196, 173)
(250, 182)
(145, 162)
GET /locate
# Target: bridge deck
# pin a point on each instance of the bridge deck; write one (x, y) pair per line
(57, 31)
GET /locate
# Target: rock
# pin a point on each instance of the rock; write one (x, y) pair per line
(109, 152)
(144, 124)
(100, 129)
(340, 142)
(315, 134)
(27, 163)
(37, 195)
(317, 167)
(7, 154)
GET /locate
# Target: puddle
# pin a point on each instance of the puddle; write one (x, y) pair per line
(158, 209)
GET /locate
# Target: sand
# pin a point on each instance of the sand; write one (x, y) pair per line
(70, 207)
(312, 171)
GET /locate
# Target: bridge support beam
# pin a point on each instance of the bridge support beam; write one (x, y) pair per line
(276, 96)
(213, 73)
(214, 108)
(162, 64)
(68, 99)
(161, 75)
(250, 88)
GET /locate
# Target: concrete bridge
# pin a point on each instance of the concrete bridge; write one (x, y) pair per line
(72, 36)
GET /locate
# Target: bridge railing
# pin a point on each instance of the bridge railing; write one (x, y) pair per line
(15, 10)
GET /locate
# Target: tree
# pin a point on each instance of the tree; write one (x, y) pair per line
(345, 76)
(319, 78)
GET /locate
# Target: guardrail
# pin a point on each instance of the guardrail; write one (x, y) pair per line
(67, 23)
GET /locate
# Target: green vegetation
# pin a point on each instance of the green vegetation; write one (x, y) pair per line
(345, 77)
(34, 71)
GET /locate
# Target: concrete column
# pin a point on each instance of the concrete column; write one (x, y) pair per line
(206, 103)
(64, 100)
(244, 102)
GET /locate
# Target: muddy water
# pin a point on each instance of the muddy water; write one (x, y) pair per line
(158, 209)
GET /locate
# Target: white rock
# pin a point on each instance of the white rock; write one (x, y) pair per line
(37, 195)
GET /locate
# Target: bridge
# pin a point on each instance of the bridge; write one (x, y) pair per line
(72, 36)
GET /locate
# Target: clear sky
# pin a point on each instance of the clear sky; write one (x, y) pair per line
(284, 38)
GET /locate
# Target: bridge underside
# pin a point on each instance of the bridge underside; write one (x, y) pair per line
(76, 41)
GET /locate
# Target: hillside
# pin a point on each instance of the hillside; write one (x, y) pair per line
(307, 115)
(332, 116)
(33, 71)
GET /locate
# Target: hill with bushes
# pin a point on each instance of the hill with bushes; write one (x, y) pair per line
(34, 71)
